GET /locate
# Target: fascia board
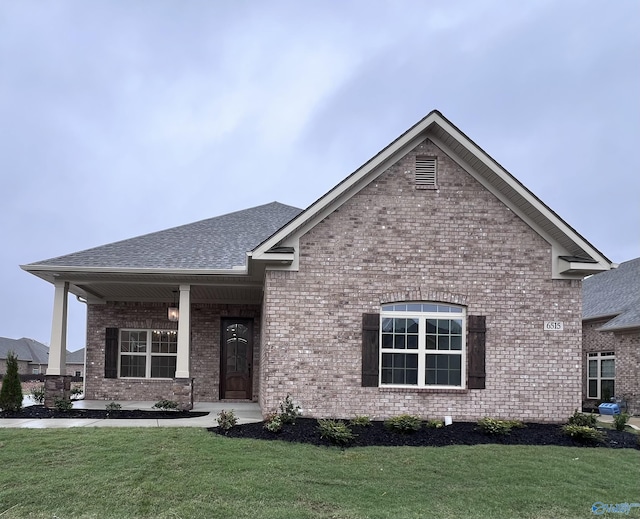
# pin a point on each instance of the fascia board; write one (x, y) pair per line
(49, 272)
(325, 205)
(602, 262)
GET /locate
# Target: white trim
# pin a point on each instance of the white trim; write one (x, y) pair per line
(290, 233)
(422, 352)
(148, 354)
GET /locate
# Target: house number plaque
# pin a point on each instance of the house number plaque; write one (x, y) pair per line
(553, 326)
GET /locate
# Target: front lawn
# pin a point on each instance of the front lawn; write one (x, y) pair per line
(185, 473)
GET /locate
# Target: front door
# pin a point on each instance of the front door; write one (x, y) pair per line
(236, 357)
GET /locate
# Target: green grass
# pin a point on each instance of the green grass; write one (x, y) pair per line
(190, 473)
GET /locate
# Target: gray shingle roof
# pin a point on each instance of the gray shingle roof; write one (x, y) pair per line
(25, 349)
(615, 294)
(217, 243)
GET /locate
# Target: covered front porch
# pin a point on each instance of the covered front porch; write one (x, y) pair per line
(136, 351)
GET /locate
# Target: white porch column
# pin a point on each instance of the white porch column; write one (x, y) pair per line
(58, 347)
(184, 332)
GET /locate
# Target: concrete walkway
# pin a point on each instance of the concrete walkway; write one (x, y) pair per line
(246, 412)
(634, 421)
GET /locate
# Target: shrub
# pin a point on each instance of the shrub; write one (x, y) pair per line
(583, 433)
(37, 394)
(273, 423)
(498, 427)
(226, 420)
(289, 412)
(404, 423)
(336, 431)
(113, 406)
(63, 404)
(435, 424)
(620, 421)
(166, 405)
(11, 391)
(360, 421)
(582, 419)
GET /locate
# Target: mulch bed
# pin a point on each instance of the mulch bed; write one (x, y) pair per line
(459, 433)
(39, 411)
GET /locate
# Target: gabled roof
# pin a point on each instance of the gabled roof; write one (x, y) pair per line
(573, 256)
(219, 243)
(25, 349)
(614, 294)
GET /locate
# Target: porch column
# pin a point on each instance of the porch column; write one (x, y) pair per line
(184, 333)
(58, 347)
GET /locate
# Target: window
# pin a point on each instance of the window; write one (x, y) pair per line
(36, 371)
(422, 345)
(148, 353)
(78, 373)
(601, 375)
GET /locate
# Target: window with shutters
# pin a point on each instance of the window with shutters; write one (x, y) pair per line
(426, 174)
(601, 375)
(147, 353)
(422, 345)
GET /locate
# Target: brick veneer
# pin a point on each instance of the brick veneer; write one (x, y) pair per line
(205, 350)
(392, 242)
(627, 349)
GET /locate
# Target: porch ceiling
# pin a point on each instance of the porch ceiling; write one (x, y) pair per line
(160, 287)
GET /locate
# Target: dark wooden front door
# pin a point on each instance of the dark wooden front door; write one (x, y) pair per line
(236, 358)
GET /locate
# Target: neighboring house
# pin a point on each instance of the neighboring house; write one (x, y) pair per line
(75, 363)
(429, 281)
(33, 356)
(611, 335)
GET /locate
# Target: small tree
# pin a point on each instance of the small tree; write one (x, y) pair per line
(11, 392)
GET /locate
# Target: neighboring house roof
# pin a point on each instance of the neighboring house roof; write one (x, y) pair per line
(34, 352)
(614, 294)
(572, 254)
(25, 349)
(219, 243)
(75, 357)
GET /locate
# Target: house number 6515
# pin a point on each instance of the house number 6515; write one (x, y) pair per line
(553, 326)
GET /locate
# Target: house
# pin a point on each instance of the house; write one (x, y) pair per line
(33, 357)
(75, 363)
(429, 281)
(611, 336)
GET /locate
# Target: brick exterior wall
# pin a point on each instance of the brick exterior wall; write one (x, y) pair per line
(627, 349)
(204, 354)
(393, 242)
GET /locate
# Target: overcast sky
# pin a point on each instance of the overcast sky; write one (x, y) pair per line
(122, 118)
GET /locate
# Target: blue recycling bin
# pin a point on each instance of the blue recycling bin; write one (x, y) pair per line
(609, 409)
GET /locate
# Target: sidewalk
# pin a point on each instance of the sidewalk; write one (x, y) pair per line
(634, 421)
(246, 412)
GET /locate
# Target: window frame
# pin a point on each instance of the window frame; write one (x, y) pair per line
(395, 311)
(599, 357)
(148, 354)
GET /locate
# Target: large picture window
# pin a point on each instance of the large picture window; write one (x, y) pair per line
(601, 375)
(148, 353)
(422, 345)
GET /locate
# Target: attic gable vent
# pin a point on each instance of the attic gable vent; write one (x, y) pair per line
(426, 172)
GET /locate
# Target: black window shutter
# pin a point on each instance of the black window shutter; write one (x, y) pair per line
(111, 353)
(370, 349)
(476, 332)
